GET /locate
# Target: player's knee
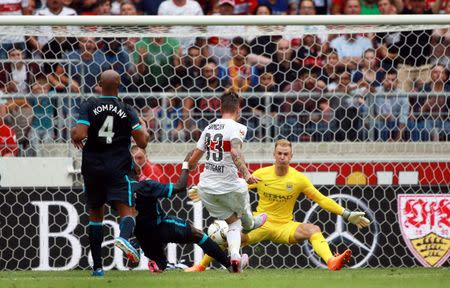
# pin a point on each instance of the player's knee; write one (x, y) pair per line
(196, 235)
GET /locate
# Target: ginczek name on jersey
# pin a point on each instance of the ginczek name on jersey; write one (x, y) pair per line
(109, 107)
(214, 167)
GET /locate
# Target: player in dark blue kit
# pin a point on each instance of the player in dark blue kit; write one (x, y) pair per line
(106, 125)
(154, 228)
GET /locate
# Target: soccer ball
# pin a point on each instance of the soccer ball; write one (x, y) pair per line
(217, 231)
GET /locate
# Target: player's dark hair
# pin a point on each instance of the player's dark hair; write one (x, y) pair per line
(229, 102)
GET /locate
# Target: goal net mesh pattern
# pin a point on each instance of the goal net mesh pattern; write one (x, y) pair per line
(366, 108)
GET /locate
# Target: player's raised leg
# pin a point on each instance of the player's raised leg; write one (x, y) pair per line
(96, 239)
(126, 225)
(320, 245)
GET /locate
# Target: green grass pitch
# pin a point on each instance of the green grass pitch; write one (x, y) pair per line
(258, 278)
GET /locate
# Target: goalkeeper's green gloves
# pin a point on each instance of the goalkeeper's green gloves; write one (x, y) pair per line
(356, 218)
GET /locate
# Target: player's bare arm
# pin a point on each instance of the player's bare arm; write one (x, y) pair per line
(141, 136)
(196, 155)
(78, 134)
(239, 161)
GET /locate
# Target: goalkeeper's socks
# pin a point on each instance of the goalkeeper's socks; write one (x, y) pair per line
(95, 242)
(320, 246)
(212, 249)
(126, 227)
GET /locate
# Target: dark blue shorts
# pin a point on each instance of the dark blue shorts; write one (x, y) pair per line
(100, 190)
(154, 238)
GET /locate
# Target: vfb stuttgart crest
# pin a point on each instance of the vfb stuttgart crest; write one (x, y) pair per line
(425, 224)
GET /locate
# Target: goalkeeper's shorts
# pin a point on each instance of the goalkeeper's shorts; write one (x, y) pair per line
(276, 232)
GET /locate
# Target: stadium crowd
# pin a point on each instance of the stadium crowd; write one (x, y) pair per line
(310, 87)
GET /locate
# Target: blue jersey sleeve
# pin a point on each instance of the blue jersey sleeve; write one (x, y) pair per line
(134, 119)
(153, 189)
(83, 117)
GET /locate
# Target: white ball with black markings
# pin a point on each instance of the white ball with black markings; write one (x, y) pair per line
(217, 231)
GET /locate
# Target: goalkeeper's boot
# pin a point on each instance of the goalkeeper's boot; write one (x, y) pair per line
(338, 260)
(153, 267)
(195, 268)
(238, 265)
(99, 272)
(132, 253)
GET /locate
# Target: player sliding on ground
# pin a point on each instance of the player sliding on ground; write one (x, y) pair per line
(278, 190)
(154, 229)
(223, 193)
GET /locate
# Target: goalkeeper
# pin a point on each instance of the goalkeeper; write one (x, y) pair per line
(278, 190)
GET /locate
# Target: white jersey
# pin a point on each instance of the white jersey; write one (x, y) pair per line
(220, 174)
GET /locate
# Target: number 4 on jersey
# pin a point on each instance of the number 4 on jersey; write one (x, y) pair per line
(107, 129)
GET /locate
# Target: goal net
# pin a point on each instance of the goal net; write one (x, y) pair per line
(366, 107)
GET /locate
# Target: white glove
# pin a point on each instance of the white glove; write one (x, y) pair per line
(356, 218)
(193, 194)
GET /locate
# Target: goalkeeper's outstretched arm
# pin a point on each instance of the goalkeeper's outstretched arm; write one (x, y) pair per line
(355, 217)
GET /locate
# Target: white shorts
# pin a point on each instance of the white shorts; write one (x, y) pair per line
(222, 206)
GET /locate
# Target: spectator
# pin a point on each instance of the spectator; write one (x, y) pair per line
(278, 7)
(61, 82)
(149, 7)
(253, 109)
(386, 7)
(369, 7)
(43, 124)
(310, 52)
(219, 45)
(242, 75)
(155, 59)
(8, 8)
(128, 8)
(87, 62)
(181, 8)
(415, 48)
(16, 76)
(144, 168)
(8, 141)
(208, 108)
(53, 8)
(102, 7)
(347, 109)
(321, 7)
(283, 67)
(307, 7)
(391, 109)
(369, 75)
(118, 60)
(322, 123)
(350, 48)
(331, 70)
(264, 45)
(436, 108)
(346, 7)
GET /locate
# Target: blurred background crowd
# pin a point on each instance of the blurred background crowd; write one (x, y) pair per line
(387, 86)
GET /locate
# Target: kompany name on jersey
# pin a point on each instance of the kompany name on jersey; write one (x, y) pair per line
(109, 107)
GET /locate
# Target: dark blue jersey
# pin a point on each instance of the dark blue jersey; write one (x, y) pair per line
(147, 204)
(110, 122)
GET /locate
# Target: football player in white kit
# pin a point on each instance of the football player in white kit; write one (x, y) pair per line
(221, 190)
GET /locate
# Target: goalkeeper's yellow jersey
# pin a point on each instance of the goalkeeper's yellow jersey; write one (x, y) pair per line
(278, 194)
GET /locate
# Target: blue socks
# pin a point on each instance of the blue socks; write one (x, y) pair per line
(212, 249)
(126, 226)
(95, 242)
